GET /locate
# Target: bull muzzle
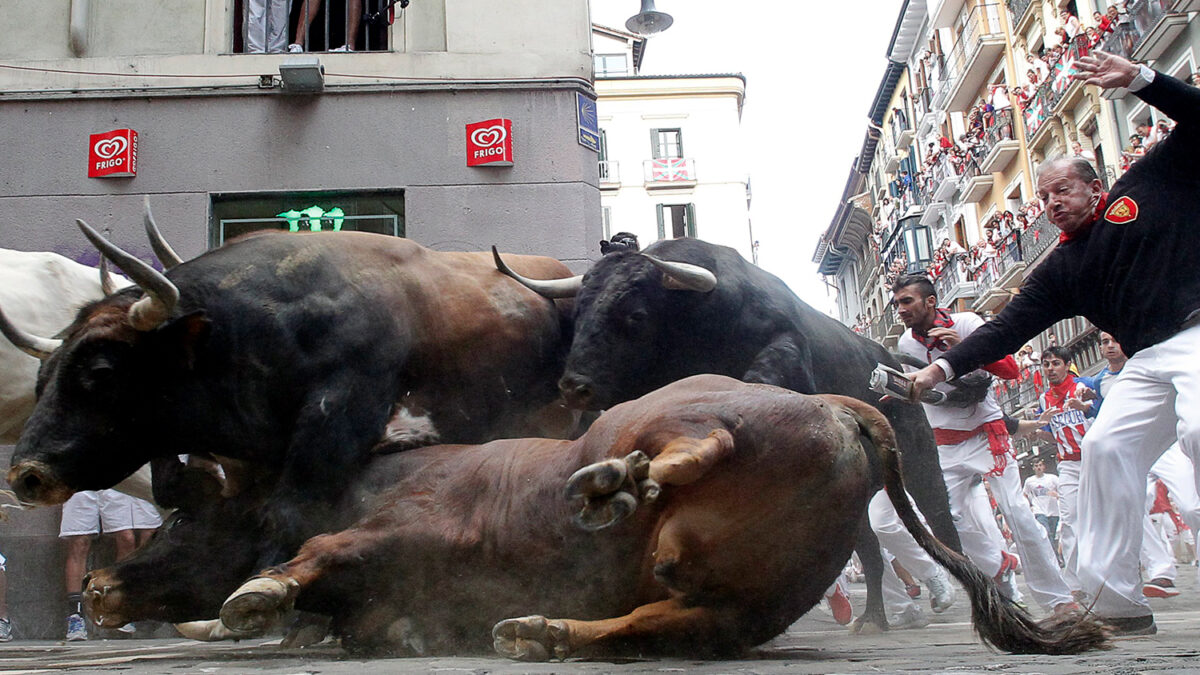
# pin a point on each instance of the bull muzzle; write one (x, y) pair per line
(34, 483)
(576, 390)
(103, 596)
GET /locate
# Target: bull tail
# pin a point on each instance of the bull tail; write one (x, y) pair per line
(998, 621)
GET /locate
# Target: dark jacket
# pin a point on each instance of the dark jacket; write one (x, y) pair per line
(1138, 279)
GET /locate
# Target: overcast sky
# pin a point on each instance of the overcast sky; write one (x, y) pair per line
(812, 69)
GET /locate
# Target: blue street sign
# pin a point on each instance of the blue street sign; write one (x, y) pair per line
(589, 122)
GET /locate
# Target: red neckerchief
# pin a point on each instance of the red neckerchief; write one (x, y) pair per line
(941, 319)
(1057, 395)
(1068, 236)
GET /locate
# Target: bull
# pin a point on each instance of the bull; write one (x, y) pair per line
(298, 353)
(699, 520)
(684, 307)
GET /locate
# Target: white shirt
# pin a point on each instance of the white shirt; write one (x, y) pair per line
(941, 417)
(1038, 490)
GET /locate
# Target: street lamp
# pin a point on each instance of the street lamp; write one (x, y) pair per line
(303, 75)
(649, 20)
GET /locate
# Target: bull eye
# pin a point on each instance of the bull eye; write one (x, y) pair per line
(636, 317)
(100, 375)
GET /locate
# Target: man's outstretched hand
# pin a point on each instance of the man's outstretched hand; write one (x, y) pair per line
(1105, 70)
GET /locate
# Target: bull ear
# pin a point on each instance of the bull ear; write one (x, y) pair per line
(177, 485)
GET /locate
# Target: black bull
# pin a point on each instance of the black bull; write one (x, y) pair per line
(640, 324)
(292, 351)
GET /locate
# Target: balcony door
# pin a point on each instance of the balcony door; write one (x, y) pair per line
(678, 219)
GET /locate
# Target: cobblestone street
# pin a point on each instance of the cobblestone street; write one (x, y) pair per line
(815, 644)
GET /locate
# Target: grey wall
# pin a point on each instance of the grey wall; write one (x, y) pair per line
(189, 147)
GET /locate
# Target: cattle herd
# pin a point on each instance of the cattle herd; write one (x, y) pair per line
(411, 445)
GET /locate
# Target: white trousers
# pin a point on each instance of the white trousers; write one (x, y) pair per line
(1157, 559)
(266, 26)
(1154, 401)
(961, 465)
(1175, 469)
(1068, 521)
(895, 537)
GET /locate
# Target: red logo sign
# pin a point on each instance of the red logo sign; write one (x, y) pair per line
(113, 155)
(1122, 211)
(490, 142)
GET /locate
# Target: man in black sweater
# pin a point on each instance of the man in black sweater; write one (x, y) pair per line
(1126, 261)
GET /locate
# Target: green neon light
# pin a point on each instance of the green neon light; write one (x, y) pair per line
(316, 218)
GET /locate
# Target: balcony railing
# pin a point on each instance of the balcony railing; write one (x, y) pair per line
(899, 124)
(610, 171)
(1144, 15)
(1062, 70)
(952, 280)
(1039, 237)
(1000, 130)
(983, 21)
(1018, 9)
(670, 170)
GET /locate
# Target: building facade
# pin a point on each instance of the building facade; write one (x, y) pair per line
(671, 163)
(976, 95)
(230, 141)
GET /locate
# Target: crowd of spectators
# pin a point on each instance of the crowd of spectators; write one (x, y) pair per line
(1145, 136)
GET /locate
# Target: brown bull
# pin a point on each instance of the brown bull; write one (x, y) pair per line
(700, 520)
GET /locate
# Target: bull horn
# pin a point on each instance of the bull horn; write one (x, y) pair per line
(33, 345)
(550, 288)
(107, 285)
(166, 254)
(161, 295)
(679, 276)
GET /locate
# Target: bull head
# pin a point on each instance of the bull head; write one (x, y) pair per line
(161, 295)
(677, 276)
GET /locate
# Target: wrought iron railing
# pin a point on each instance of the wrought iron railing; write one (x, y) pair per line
(1037, 238)
(1018, 9)
(1143, 15)
(982, 21)
(610, 171)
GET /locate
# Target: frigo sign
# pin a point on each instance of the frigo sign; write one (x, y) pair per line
(113, 154)
(489, 143)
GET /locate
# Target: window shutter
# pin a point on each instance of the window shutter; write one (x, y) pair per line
(691, 220)
(662, 232)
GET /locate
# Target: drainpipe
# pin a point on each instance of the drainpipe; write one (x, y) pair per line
(79, 26)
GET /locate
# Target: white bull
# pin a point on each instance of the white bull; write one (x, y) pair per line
(41, 292)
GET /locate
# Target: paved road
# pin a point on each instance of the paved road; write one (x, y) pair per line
(814, 644)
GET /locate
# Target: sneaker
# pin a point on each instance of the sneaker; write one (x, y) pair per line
(913, 590)
(839, 604)
(1160, 588)
(5, 630)
(941, 592)
(1132, 625)
(295, 49)
(128, 629)
(343, 48)
(910, 617)
(76, 628)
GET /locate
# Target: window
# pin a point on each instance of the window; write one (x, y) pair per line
(611, 64)
(678, 219)
(234, 215)
(274, 26)
(666, 143)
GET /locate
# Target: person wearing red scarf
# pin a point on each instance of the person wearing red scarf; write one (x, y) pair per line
(1068, 415)
(973, 442)
(1131, 272)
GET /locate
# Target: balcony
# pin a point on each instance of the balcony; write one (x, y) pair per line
(944, 179)
(1154, 25)
(610, 174)
(1000, 146)
(1035, 113)
(942, 13)
(974, 183)
(1038, 239)
(1020, 13)
(1186, 6)
(953, 282)
(902, 132)
(970, 62)
(1000, 273)
(669, 172)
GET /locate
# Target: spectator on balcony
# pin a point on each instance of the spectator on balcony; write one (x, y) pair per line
(1078, 151)
(308, 12)
(266, 26)
(1039, 67)
(1104, 24)
(1093, 37)
(1070, 24)
(953, 247)
(886, 208)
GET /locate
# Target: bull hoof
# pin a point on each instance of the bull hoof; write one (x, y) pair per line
(531, 638)
(607, 492)
(255, 606)
(863, 626)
